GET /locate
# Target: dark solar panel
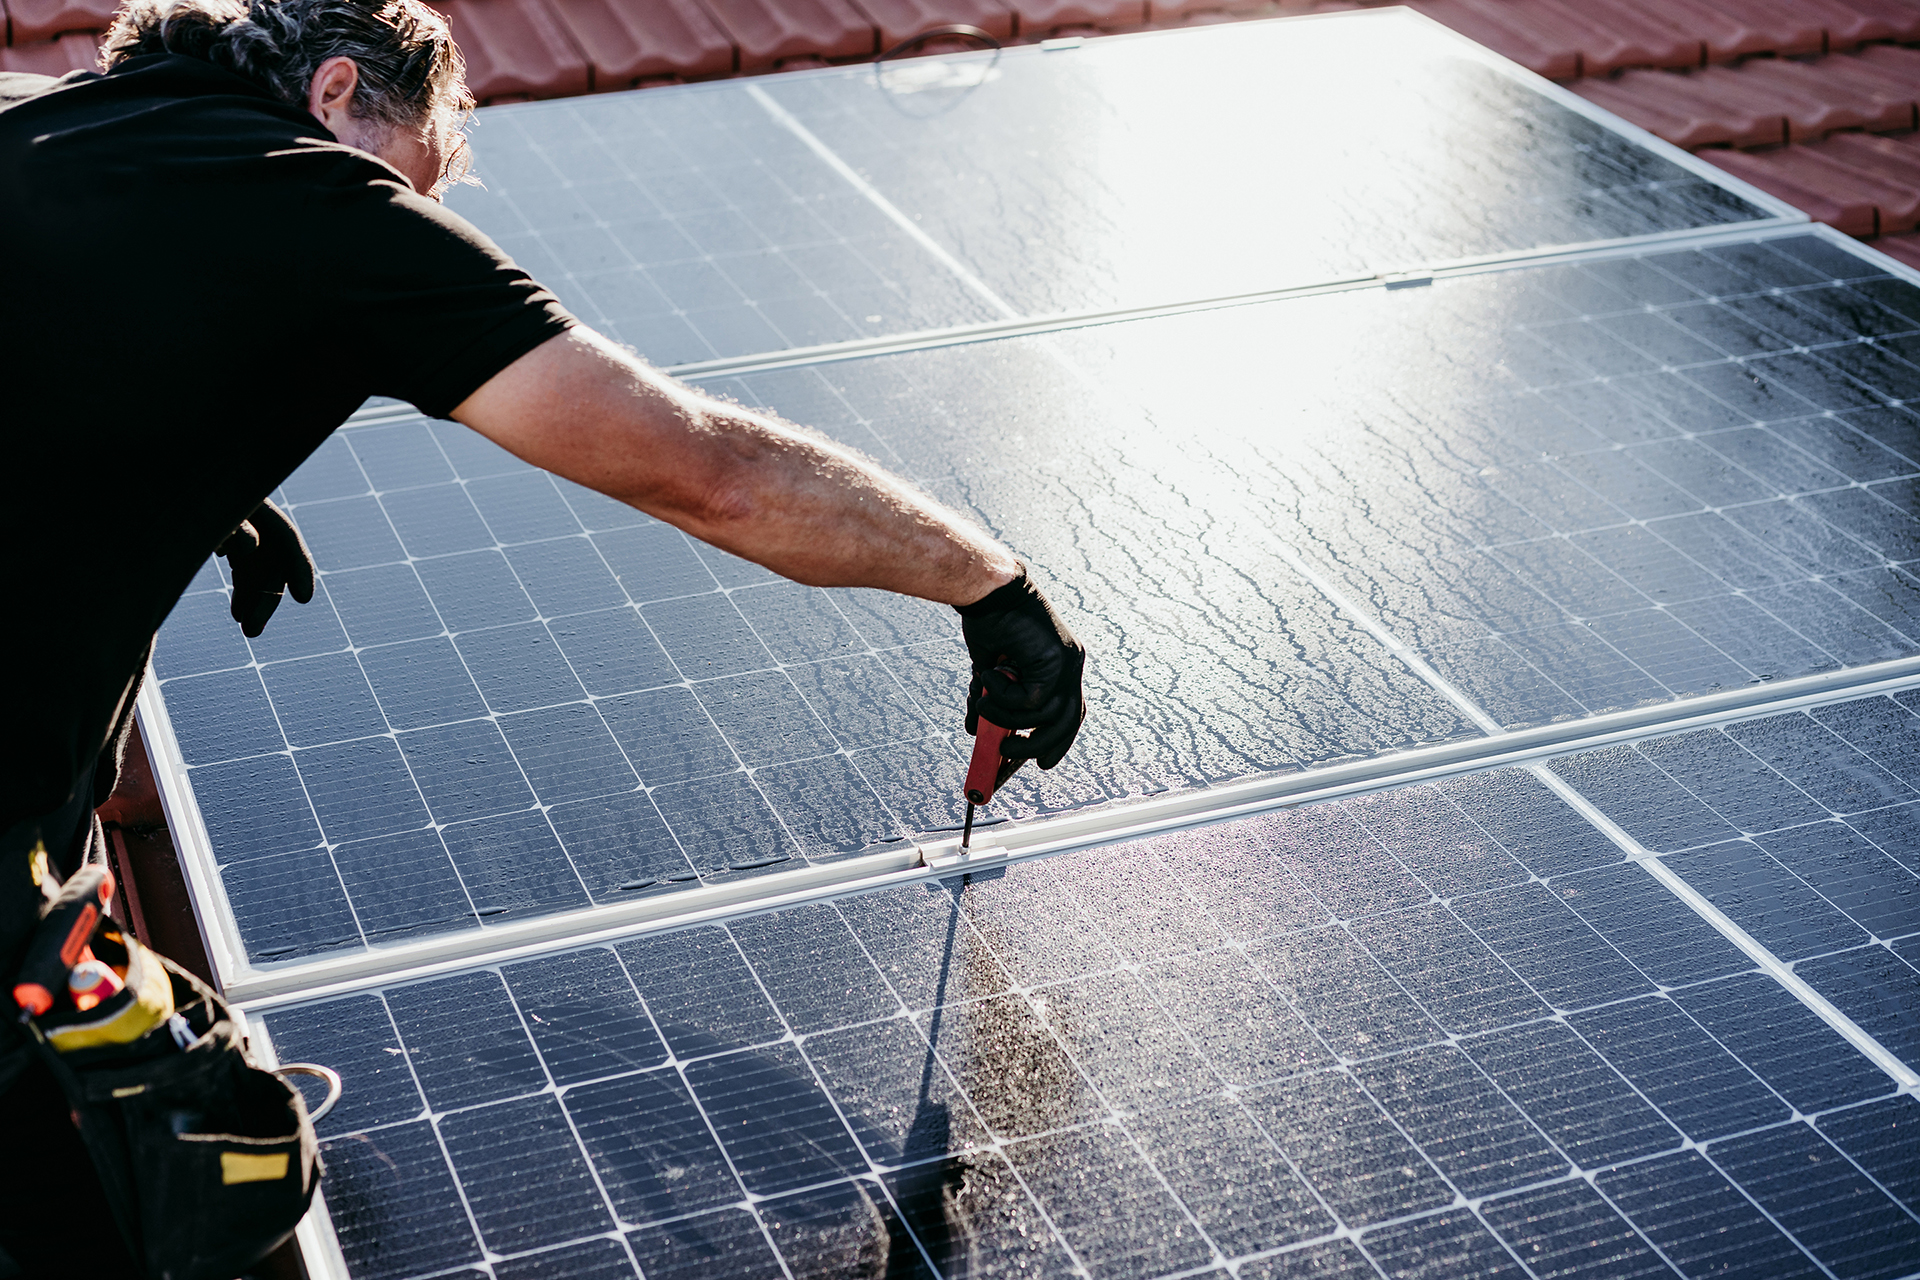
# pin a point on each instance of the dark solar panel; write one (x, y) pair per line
(1052, 1067)
(608, 708)
(693, 224)
(1795, 826)
(1090, 182)
(1571, 491)
(479, 728)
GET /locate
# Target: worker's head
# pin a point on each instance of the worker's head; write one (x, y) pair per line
(382, 75)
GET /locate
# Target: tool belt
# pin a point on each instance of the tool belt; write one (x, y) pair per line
(207, 1161)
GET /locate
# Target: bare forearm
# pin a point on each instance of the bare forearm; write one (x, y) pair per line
(763, 489)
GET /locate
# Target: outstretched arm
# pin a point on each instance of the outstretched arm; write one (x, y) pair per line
(799, 504)
(766, 490)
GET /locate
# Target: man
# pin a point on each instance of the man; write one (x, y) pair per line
(217, 250)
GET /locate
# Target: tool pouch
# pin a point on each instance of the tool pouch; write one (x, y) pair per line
(207, 1161)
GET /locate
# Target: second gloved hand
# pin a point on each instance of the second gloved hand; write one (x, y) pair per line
(1027, 670)
(267, 557)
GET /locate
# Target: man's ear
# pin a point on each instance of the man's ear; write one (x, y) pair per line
(330, 95)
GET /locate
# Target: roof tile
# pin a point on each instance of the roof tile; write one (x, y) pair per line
(516, 48)
(1736, 28)
(75, 51)
(1627, 33)
(1694, 110)
(1849, 24)
(904, 19)
(1902, 248)
(1819, 97)
(768, 32)
(1902, 17)
(630, 40)
(32, 21)
(1038, 17)
(1829, 185)
(1893, 163)
(1512, 30)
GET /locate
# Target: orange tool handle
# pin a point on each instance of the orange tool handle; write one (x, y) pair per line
(62, 938)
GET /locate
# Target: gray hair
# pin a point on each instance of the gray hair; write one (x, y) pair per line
(411, 74)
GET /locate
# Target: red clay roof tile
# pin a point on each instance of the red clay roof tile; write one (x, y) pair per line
(1902, 248)
(1512, 30)
(1819, 97)
(1627, 33)
(1848, 25)
(1038, 17)
(769, 31)
(1693, 110)
(1827, 186)
(515, 48)
(1785, 27)
(1901, 17)
(630, 40)
(75, 51)
(32, 21)
(904, 19)
(1893, 163)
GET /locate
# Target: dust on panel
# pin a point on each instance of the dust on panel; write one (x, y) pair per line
(689, 225)
(1805, 830)
(1573, 488)
(512, 696)
(1302, 1040)
(1228, 160)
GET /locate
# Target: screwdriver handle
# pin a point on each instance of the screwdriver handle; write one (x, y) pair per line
(984, 773)
(61, 937)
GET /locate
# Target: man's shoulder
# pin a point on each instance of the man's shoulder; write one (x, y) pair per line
(18, 86)
(154, 94)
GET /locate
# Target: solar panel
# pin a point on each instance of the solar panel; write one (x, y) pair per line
(699, 223)
(1377, 1031)
(1578, 488)
(551, 701)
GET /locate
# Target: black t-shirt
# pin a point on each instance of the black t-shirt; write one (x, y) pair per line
(203, 285)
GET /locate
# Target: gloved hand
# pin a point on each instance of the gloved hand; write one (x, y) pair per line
(267, 557)
(1027, 669)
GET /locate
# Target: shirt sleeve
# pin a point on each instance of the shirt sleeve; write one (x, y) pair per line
(421, 304)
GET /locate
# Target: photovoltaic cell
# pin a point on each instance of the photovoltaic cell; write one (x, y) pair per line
(1822, 802)
(1048, 1068)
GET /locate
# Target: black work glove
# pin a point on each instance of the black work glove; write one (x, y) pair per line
(267, 557)
(1026, 672)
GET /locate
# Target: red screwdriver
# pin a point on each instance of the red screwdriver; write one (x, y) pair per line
(987, 771)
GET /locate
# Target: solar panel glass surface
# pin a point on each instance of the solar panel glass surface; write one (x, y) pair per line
(548, 700)
(694, 224)
(1574, 488)
(1450, 1025)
